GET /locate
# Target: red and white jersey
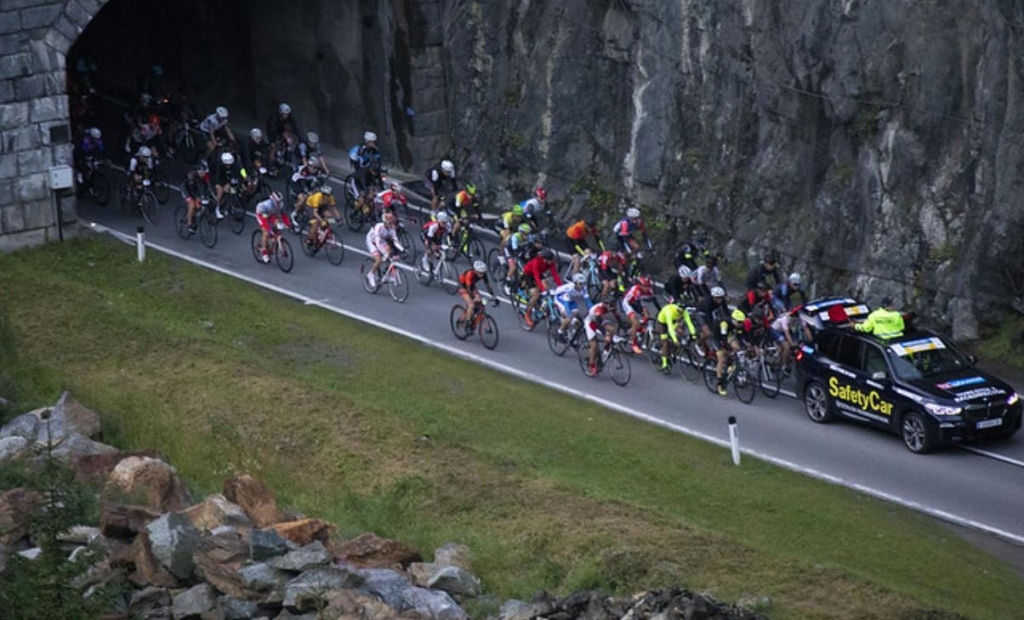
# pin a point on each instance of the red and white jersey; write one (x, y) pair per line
(386, 198)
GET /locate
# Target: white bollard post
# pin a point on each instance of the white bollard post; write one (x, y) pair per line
(734, 439)
(140, 243)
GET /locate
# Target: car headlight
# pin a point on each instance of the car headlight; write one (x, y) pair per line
(1012, 400)
(937, 409)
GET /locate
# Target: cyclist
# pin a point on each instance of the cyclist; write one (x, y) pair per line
(601, 323)
(626, 229)
(767, 272)
(320, 202)
(305, 179)
(671, 320)
(781, 333)
(140, 167)
(577, 237)
(309, 152)
(782, 295)
(382, 241)
(195, 187)
(433, 235)
(256, 150)
(390, 198)
(633, 308)
(90, 148)
(460, 204)
(363, 184)
(267, 213)
(610, 267)
(707, 276)
(757, 304)
(534, 206)
(515, 249)
(534, 272)
(224, 175)
(216, 126)
(442, 182)
(680, 287)
(726, 340)
(570, 299)
(467, 287)
(283, 133)
(366, 154)
(510, 221)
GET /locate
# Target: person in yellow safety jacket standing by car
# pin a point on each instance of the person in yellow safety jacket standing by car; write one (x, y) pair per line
(884, 322)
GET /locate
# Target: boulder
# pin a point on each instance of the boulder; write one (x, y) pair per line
(17, 507)
(174, 541)
(195, 602)
(31, 554)
(215, 511)
(220, 567)
(237, 609)
(434, 604)
(520, 610)
(77, 417)
(306, 592)
(152, 482)
(261, 577)
(76, 446)
(12, 447)
(254, 498)
(371, 551)
(148, 599)
(421, 572)
(25, 425)
(264, 544)
(456, 581)
(386, 585)
(311, 556)
(96, 468)
(304, 531)
(453, 554)
(123, 521)
(287, 615)
(148, 569)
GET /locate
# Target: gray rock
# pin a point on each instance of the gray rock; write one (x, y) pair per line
(287, 615)
(174, 539)
(434, 604)
(26, 426)
(80, 535)
(456, 581)
(311, 556)
(148, 599)
(237, 609)
(262, 577)
(194, 602)
(302, 593)
(12, 447)
(75, 445)
(31, 554)
(265, 544)
(453, 554)
(387, 585)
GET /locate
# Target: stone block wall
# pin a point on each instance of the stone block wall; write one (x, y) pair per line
(35, 36)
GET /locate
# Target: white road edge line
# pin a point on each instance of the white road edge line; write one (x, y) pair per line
(883, 495)
(993, 455)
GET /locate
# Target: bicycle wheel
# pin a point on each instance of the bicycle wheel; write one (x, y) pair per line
(744, 383)
(558, 344)
(710, 378)
(284, 257)
(236, 213)
(405, 239)
(335, 248)
(476, 248)
(99, 187)
(496, 266)
(307, 249)
(255, 242)
(771, 372)
(207, 228)
(181, 222)
(688, 363)
(364, 273)
(150, 208)
(488, 332)
(161, 190)
(619, 368)
(455, 322)
(449, 278)
(398, 284)
(424, 271)
(353, 217)
(583, 357)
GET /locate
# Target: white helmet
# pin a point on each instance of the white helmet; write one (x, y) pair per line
(227, 158)
(145, 152)
(685, 272)
(95, 133)
(443, 217)
(448, 166)
(312, 138)
(480, 266)
(369, 136)
(222, 112)
(256, 133)
(579, 278)
(633, 213)
(284, 108)
(718, 291)
(795, 279)
(395, 186)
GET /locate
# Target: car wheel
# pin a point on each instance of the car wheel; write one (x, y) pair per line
(917, 436)
(817, 403)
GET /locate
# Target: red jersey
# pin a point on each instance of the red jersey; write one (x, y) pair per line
(536, 268)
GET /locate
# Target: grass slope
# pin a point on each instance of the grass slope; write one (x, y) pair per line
(374, 432)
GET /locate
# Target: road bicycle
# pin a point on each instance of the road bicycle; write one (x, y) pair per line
(571, 338)
(680, 356)
(398, 284)
(139, 199)
(233, 207)
(465, 243)
(479, 321)
(204, 219)
(739, 373)
(95, 185)
(770, 372)
(441, 269)
(609, 356)
(277, 247)
(543, 310)
(328, 240)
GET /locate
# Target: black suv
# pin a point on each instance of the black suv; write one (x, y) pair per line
(918, 386)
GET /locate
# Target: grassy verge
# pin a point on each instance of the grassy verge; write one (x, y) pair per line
(374, 432)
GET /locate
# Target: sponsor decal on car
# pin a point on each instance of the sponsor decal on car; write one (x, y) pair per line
(867, 401)
(904, 349)
(978, 393)
(956, 383)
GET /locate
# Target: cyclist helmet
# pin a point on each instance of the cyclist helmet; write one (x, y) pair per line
(395, 186)
(145, 152)
(579, 278)
(389, 219)
(517, 210)
(369, 136)
(548, 255)
(480, 266)
(738, 315)
(645, 283)
(471, 189)
(256, 133)
(685, 272)
(762, 285)
(284, 108)
(312, 139)
(718, 291)
(222, 112)
(276, 197)
(96, 133)
(227, 158)
(541, 194)
(600, 309)
(633, 213)
(443, 217)
(326, 189)
(525, 228)
(795, 279)
(447, 167)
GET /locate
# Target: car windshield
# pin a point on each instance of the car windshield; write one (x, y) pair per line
(925, 358)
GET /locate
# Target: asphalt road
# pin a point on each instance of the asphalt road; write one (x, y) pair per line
(982, 488)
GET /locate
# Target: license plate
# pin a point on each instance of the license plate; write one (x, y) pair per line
(990, 423)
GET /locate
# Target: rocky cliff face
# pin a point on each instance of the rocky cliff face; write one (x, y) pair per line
(875, 144)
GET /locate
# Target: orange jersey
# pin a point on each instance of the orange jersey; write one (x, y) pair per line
(469, 278)
(579, 231)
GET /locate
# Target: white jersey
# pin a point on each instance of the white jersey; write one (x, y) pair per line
(569, 293)
(267, 207)
(531, 206)
(380, 237)
(707, 276)
(213, 123)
